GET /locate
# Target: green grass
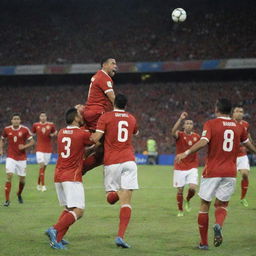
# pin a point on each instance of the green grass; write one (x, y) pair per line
(154, 228)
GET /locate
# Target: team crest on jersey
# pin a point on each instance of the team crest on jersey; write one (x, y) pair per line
(43, 130)
(190, 143)
(20, 134)
(10, 134)
(195, 139)
(48, 127)
(109, 84)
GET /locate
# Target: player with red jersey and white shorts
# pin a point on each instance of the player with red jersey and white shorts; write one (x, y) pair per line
(186, 171)
(120, 169)
(44, 131)
(100, 100)
(68, 176)
(223, 137)
(242, 161)
(19, 138)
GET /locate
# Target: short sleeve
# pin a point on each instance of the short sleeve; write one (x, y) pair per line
(207, 133)
(136, 130)
(179, 135)
(34, 128)
(87, 140)
(244, 135)
(106, 85)
(28, 134)
(101, 125)
(4, 134)
(53, 129)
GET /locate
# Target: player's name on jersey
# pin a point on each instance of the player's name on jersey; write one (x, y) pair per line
(121, 115)
(68, 131)
(229, 124)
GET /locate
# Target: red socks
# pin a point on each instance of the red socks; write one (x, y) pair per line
(7, 189)
(64, 222)
(203, 223)
(125, 215)
(112, 197)
(41, 176)
(191, 193)
(21, 186)
(244, 187)
(220, 215)
(180, 201)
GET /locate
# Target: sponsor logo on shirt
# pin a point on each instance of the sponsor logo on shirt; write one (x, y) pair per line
(204, 133)
(109, 84)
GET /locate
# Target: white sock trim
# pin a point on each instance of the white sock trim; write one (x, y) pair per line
(203, 212)
(126, 205)
(74, 214)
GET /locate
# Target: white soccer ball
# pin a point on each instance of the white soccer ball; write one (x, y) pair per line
(179, 15)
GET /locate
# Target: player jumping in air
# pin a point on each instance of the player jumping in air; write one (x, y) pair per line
(68, 177)
(19, 138)
(44, 131)
(186, 171)
(242, 161)
(223, 137)
(120, 169)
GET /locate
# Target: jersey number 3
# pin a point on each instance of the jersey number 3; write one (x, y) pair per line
(122, 135)
(228, 140)
(67, 141)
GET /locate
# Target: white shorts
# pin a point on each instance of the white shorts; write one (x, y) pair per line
(121, 176)
(43, 158)
(242, 163)
(70, 194)
(15, 166)
(181, 178)
(221, 188)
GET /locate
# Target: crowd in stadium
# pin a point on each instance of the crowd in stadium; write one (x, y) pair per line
(156, 106)
(45, 33)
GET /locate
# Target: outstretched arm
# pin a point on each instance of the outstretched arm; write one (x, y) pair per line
(175, 128)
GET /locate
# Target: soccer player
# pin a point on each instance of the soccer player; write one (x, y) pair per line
(223, 137)
(186, 171)
(242, 161)
(68, 176)
(101, 95)
(19, 138)
(44, 131)
(120, 169)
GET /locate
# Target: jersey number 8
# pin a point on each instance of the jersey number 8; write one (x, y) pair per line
(228, 140)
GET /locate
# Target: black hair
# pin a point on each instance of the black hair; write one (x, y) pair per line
(71, 115)
(224, 106)
(15, 114)
(237, 106)
(42, 112)
(120, 101)
(104, 60)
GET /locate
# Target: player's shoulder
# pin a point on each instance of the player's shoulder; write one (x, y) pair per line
(49, 123)
(23, 127)
(36, 123)
(245, 123)
(195, 134)
(8, 127)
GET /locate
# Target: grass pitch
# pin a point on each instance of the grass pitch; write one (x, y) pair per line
(154, 228)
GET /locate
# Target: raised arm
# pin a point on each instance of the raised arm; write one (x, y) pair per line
(176, 127)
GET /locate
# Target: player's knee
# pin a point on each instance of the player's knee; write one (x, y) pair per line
(112, 197)
(245, 176)
(220, 204)
(9, 177)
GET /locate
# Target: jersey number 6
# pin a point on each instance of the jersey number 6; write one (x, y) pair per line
(122, 135)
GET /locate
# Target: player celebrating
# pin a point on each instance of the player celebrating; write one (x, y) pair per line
(68, 177)
(186, 171)
(242, 161)
(101, 95)
(223, 136)
(16, 136)
(120, 169)
(44, 131)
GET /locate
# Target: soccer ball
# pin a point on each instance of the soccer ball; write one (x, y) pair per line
(179, 15)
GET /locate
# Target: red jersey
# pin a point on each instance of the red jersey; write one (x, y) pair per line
(43, 131)
(15, 137)
(101, 83)
(118, 127)
(224, 136)
(71, 148)
(183, 143)
(242, 149)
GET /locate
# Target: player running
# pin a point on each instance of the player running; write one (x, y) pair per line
(186, 171)
(223, 137)
(68, 177)
(120, 169)
(242, 161)
(19, 138)
(44, 131)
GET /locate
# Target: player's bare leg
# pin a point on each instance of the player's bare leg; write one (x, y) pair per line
(125, 215)
(191, 193)
(7, 188)
(22, 180)
(203, 224)
(220, 215)
(244, 186)
(179, 198)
